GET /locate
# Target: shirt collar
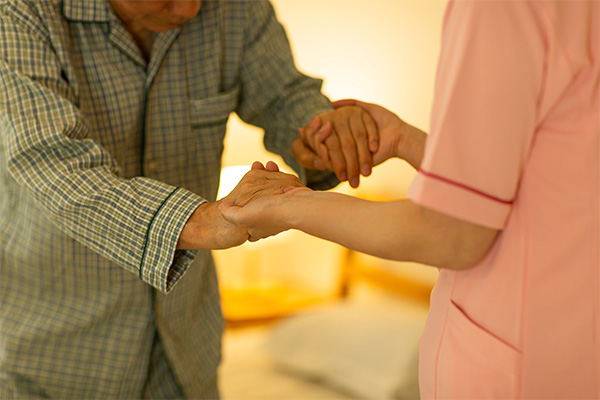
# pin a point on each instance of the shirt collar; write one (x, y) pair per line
(86, 10)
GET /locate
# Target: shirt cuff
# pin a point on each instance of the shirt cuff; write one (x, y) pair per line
(459, 201)
(162, 265)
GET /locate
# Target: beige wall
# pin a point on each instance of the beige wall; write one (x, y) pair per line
(382, 51)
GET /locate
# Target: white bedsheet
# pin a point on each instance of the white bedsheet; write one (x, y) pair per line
(247, 373)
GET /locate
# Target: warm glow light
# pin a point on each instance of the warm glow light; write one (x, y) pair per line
(273, 277)
(380, 51)
(279, 260)
(230, 176)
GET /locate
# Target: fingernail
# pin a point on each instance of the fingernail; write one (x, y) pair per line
(343, 176)
(319, 164)
(354, 182)
(365, 170)
(373, 145)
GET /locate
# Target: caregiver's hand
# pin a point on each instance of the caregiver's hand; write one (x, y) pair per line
(207, 229)
(397, 138)
(345, 149)
(265, 216)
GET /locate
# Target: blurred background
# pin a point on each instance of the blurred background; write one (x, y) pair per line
(381, 51)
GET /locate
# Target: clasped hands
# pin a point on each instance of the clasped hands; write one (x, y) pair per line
(262, 210)
(207, 229)
(342, 140)
(349, 140)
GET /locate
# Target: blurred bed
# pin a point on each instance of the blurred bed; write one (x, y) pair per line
(361, 345)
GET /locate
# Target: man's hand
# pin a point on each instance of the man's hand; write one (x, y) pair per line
(261, 181)
(207, 229)
(346, 149)
(396, 137)
(268, 215)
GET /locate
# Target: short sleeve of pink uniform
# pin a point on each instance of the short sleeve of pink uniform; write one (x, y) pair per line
(514, 145)
(483, 115)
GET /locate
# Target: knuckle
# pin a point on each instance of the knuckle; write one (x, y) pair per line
(360, 134)
(340, 113)
(348, 144)
(365, 158)
(333, 145)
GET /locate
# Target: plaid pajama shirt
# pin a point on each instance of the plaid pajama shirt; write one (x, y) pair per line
(103, 158)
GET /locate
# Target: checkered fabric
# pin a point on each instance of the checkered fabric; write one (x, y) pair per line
(103, 158)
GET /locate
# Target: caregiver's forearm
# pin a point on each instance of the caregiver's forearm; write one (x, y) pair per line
(397, 230)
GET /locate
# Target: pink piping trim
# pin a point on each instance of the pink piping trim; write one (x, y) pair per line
(460, 185)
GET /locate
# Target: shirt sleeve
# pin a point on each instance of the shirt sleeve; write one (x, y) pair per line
(134, 222)
(276, 96)
(483, 119)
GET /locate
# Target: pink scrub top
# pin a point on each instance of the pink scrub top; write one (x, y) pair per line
(514, 146)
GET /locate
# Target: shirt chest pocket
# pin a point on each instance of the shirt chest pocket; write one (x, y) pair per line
(215, 110)
(208, 117)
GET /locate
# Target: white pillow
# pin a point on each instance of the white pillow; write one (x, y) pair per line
(366, 350)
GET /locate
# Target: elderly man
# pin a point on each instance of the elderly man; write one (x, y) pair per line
(112, 119)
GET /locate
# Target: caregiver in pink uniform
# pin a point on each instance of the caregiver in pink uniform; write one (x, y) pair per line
(506, 203)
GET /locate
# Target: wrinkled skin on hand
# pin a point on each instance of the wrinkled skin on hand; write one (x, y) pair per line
(207, 229)
(261, 186)
(346, 149)
(265, 216)
(261, 181)
(396, 137)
